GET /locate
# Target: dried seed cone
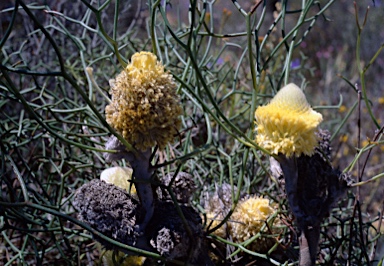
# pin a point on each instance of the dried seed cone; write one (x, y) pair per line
(145, 107)
(217, 204)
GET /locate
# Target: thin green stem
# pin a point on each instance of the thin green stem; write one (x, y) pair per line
(253, 71)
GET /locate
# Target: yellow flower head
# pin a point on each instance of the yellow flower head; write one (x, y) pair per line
(122, 259)
(119, 177)
(214, 220)
(145, 107)
(287, 124)
(248, 219)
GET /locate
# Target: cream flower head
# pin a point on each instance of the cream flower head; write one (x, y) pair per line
(287, 124)
(248, 219)
(119, 177)
(145, 107)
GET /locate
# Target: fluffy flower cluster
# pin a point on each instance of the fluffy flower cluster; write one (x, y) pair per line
(287, 124)
(145, 107)
(248, 219)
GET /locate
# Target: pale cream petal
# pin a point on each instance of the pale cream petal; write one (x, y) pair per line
(118, 176)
